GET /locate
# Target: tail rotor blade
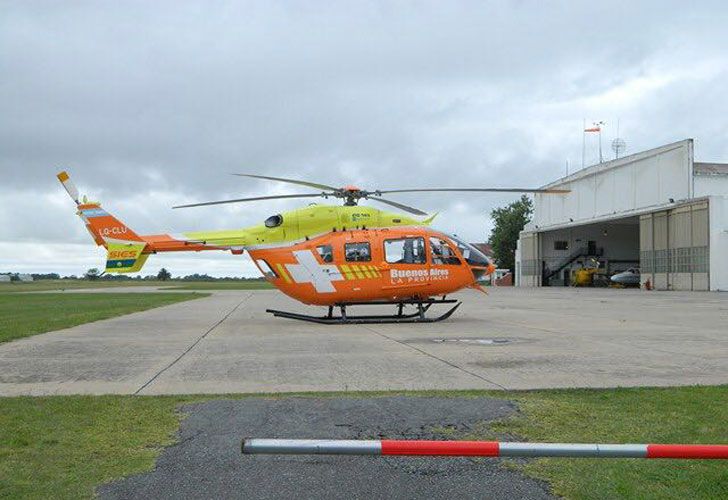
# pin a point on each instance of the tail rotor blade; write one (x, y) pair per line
(69, 186)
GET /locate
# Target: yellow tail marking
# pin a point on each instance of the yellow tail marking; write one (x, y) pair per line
(366, 271)
(283, 273)
(358, 272)
(375, 271)
(347, 272)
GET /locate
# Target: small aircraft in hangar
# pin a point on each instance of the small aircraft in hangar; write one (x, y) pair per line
(324, 255)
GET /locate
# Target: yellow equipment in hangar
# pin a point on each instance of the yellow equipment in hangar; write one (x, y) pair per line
(585, 275)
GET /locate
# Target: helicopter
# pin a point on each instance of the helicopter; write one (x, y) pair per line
(324, 255)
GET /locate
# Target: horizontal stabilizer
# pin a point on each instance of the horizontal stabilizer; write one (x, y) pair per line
(125, 257)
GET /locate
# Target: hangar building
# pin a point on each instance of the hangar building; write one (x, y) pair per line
(657, 210)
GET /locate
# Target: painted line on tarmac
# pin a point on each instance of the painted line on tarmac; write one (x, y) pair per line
(421, 351)
(221, 321)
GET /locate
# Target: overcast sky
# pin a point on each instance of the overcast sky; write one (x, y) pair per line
(150, 104)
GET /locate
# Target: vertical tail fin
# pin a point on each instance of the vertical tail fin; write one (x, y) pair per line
(105, 226)
(125, 247)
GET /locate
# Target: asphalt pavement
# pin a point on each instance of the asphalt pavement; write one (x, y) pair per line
(207, 462)
(513, 338)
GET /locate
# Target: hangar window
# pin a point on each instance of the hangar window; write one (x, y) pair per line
(405, 251)
(274, 220)
(358, 252)
(326, 253)
(267, 271)
(561, 245)
(441, 253)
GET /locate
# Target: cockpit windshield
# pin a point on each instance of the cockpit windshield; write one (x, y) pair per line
(472, 255)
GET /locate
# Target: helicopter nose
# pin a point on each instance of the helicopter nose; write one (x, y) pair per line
(491, 269)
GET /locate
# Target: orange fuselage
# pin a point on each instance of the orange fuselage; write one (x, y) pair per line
(370, 265)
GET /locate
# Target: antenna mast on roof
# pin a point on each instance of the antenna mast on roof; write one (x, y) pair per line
(618, 144)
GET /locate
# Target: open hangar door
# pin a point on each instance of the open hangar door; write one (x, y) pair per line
(606, 247)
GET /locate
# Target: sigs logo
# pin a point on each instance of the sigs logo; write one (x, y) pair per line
(122, 254)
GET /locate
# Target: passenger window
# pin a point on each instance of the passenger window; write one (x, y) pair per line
(267, 271)
(441, 253)
(326, 253)
(405, 251)
(358, 252)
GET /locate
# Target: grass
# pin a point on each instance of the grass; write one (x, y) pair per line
(51, 285)
(640, 415)
(22, 315)
(220, 285)
(64, 446)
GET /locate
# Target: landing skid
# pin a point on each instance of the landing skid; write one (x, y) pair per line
(400, 317)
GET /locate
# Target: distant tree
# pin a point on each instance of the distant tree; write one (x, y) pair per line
(92, 274)
(164, 275)
(508, 222)
(45, 276)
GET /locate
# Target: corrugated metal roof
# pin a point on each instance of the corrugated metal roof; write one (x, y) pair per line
(710, 168)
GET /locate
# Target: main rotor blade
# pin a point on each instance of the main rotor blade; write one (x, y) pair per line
(257, 198)
(291, 181)
(406, 208)
(477, 190)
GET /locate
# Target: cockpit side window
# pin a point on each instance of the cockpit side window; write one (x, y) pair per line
(442, 253)
(405, 251)
(472, 255)
(274, 220)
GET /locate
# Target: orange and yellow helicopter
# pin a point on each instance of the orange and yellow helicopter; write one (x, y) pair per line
(335, 256)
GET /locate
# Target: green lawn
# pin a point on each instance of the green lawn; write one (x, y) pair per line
(64, 446)
(219, 285)
(50, 285)
(22, 315)
(642, 415)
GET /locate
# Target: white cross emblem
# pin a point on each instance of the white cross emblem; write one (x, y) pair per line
(308, 270)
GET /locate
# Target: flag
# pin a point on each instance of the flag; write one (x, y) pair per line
(593, 129)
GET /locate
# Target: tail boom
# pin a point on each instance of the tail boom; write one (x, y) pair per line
(127, 250)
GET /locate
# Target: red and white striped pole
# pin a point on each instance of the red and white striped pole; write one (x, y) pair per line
(480, 449)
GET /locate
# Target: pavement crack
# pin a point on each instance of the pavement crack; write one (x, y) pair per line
(421, 351)
(192, 346)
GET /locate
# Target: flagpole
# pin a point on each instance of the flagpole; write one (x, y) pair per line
(601, 158)
(583, 141)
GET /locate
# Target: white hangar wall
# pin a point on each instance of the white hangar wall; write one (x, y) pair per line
(718, 215)
(619, 188)
(658, 204)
